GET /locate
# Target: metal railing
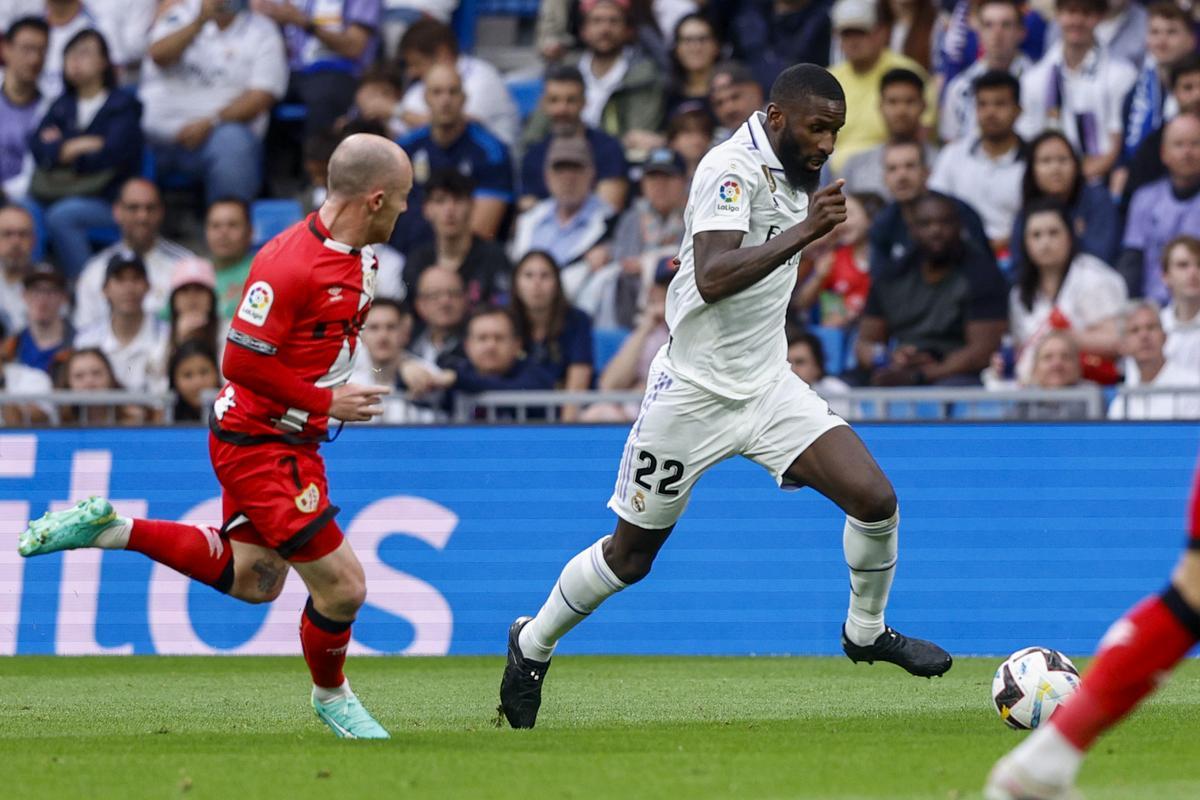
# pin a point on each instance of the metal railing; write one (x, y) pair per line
(861, 404)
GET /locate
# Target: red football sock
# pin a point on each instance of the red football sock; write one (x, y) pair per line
(198, 552)
(324, 641)
(1151, 639)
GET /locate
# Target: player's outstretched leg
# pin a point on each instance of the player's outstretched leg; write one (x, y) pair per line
(198, 552)
(1135, 657)
(337, 589)
(839, 466)
(588, 579)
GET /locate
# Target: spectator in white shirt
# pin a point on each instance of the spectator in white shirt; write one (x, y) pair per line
(1181, 317)
(1061, 288)
(135, 342)
(1143, 341)
(65, 18)
(138, 211)
(383, 341)
(1079, 88)
(428, 42)
(986, 171)
(17, 240)
(1001, 28)
(20, 379)
(212, 72)
(128, 24)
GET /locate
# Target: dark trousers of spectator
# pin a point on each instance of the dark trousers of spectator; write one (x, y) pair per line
(228, 163)
(326, 94)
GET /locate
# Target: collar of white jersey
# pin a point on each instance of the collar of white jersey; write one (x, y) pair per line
(760, 142)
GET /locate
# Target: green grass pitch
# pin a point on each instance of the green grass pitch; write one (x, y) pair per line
(674, 728)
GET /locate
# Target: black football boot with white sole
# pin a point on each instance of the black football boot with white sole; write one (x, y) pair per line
(521, 686)
(916, 656)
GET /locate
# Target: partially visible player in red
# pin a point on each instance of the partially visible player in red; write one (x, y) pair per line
(1135, 658)
(291, 349)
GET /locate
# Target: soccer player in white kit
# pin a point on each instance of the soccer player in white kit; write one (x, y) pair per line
(721, 386)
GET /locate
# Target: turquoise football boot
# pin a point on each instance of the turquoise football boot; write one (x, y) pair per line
(347, 718)
(75, 527)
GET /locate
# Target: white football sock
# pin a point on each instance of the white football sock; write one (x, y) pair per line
(586, 581)
(115, 536)
(1047, 757)
(323, 695)
(870, 549)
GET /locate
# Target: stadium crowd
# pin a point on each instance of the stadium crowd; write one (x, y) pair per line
(1023, 181)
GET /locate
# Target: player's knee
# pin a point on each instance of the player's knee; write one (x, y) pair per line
(630, 566)
(346, 597)
(874, 502)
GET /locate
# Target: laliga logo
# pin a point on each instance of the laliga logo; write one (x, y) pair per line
(730, 191)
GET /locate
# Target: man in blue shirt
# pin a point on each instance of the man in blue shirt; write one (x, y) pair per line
(451, 141)
(46, 340)
(562, 103)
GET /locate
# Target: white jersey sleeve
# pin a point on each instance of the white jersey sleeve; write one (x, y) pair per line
(723, 192)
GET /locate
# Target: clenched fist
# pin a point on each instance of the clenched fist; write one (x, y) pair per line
(826, 211)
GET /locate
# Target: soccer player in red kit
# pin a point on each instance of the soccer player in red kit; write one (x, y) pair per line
(1134, 659)
(291, 349)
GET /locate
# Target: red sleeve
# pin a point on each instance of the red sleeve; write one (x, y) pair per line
(264, 375)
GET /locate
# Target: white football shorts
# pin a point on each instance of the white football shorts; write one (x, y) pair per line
(682, 430)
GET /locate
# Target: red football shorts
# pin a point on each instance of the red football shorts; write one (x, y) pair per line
(275, 495)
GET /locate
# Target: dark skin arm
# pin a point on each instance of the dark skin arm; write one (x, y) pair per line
(724, 268)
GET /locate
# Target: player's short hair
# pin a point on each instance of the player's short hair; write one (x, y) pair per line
(428, 37)
(230, 200)
(1184, 66)
(799, 82)
(998, 79)
(489, 310)
(26, 24)
(1099, 7)
(563, 73)
(1165, 9)
(450, 181)
(907, 141)
(900, 75)
(390, 302)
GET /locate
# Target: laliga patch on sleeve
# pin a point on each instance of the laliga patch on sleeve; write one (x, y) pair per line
(730, 195)
(256, 305)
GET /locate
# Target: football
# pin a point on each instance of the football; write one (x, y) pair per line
(1031, 684)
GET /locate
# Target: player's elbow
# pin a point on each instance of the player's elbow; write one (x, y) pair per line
(704, 286)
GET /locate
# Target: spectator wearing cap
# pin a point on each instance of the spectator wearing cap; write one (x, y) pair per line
(482, 264)
(1162, 210)
(453, 141)
(562, 104)
(906, 173)
(46, 339)
(573, 220)
(23, 52)
(1143, 341)
(211, 74)
(1001, 28)
(328, 46)
(628, 368)
(986, 171)
(1169, 37)
(902, 104)
(89, 142)
(427, 43)
(944, 307)
(18, 238)
(1146, 165)
(624, 90)
(139, 212)
(227, 236)
(135, 343)
(651, 228)
(868, 58)
(1078, 88)
(733, 95)
(193, 305)
(771, 35)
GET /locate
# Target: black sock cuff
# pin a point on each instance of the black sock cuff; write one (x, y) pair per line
(1179, 608)
(323, 622)
(224, 583)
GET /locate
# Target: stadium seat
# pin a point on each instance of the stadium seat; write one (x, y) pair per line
(526, 91)
(271, 217)
(605, 344)
(833, 341)
(290, 112)
(103, 237)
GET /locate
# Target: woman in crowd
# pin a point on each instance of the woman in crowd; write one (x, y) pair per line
(192, 372)
(88, 370)
(556, 334)
(841, 277)
(1055, 171)
(913, 25)
(1060, 287)
(1056, 365)
(193, 305)
(88, 143)
(693, 58)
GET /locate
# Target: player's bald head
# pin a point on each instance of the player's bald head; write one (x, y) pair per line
(364, 163)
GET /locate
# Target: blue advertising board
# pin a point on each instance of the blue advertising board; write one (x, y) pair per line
(1011, 535)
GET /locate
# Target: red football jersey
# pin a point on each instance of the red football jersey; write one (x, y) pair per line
(305, 301)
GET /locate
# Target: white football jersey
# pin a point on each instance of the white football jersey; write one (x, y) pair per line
(735, 347)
